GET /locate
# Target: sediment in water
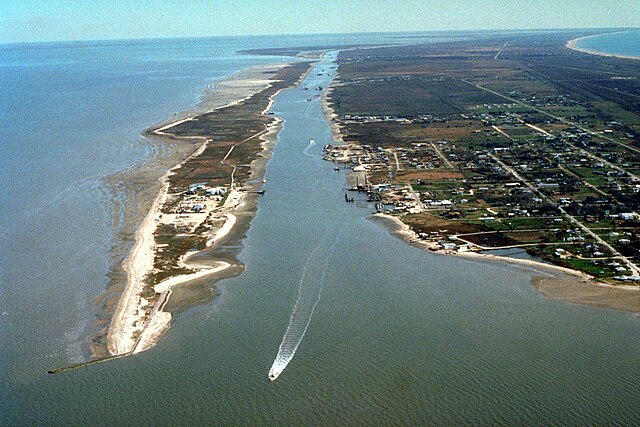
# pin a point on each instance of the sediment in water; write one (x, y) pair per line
(136, 190)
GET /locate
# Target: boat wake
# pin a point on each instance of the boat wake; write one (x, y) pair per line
(308, 148)
(309, 294)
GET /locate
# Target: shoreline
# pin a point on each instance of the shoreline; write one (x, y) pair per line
(329, 112)
(553, 282)
(159, 321)
(131, 330)
(572, 44)
(223, 93)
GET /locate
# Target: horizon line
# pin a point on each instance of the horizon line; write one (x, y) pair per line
(624, 29)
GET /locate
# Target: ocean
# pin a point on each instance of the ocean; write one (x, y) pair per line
(391, 334)
(624, 43)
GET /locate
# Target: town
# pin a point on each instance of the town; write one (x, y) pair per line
(494, 155)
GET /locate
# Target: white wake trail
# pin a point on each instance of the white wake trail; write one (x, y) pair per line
(300, 319)
(306, 152)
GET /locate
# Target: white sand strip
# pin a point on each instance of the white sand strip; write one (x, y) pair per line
(572, 44)
(129, 317)
(171, 282)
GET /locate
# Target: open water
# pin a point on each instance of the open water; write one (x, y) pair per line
(625, 43)
(373, 331)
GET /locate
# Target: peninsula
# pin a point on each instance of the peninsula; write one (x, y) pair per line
(498, 146)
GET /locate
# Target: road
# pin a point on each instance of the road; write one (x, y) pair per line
(395, 155)
(634, 268)
(500, 51)
(501, 132)
(582, 180)
(567, 122)
(224, 160)
(416, 196)
(442, 156)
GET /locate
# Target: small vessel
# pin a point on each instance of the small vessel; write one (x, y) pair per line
(336, 168)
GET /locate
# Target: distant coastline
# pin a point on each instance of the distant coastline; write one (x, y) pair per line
(573, 45)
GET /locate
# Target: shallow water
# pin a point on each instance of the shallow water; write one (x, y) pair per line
(71, 114)
(625, 43)
(398, 335)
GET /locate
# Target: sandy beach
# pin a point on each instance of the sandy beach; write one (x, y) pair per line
(331, 115)
(131, 329)
(572, 44)
(223, 93)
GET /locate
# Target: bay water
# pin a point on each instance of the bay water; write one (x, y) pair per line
(624, 43)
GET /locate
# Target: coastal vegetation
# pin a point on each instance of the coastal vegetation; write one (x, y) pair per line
(475, 145)
(233, 143)
(197, 208)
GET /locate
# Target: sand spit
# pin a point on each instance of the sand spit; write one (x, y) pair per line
(329, 112)
(622, 298)
(132, 329)
(224, 93)
(572, 44)
(331, 115)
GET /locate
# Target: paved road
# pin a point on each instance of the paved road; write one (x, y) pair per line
(560, 119)
(442, 156)
(634, 268)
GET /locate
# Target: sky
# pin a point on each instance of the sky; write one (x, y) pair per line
(58, 20)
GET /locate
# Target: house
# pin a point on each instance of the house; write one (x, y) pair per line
(216, 191)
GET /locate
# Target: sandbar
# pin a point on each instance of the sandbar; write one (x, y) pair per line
(134, 327)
